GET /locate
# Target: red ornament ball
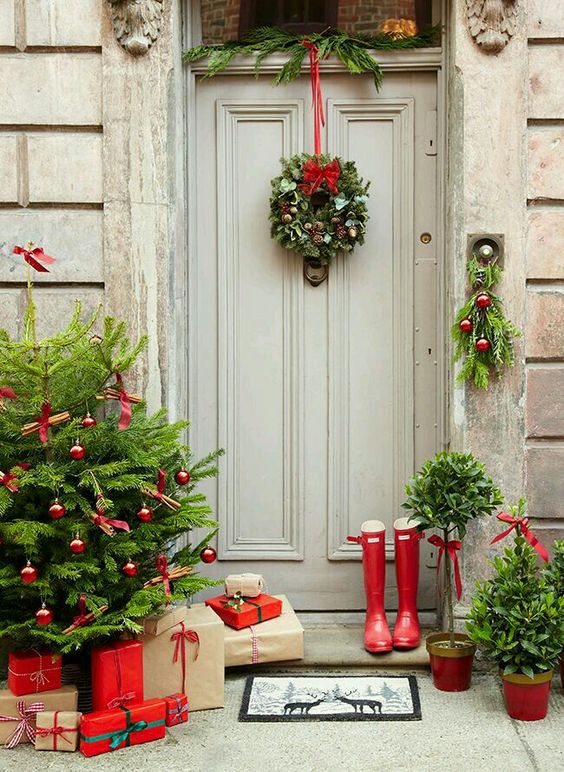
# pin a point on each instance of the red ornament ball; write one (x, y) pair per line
(88, 421)
(77, 545)
(465, 325)
(130, 568)
(56, 511)
(77, 452)
(145, 514)
(208, 555)
(482, 344)
(483, 300)
(28, 573)
(182, 477)
(44, 616)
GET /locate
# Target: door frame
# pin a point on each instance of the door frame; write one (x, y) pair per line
(183, 393)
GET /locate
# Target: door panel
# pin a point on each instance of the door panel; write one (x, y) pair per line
(324, 398)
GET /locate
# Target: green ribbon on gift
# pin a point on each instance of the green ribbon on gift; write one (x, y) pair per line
(237, 601)
(122, 735)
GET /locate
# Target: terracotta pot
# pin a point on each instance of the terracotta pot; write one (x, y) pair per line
(526, 698)
(451, 668)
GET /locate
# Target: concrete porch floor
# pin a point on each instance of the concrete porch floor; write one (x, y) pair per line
(466, 732)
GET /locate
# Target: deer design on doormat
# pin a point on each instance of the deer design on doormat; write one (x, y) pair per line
(359, 704)
(304, 707)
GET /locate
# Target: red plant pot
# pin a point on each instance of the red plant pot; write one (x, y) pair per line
(526, 699)
(451, 668)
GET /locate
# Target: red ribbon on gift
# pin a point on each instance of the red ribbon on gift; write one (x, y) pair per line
(26, 714)
(7, 481)
(315, 175)
(180, 637)
(7, 393)
(162, 568)
(522, 525)
(254, 646)
(316, 95)
(451, 547)
(125, 402)
(123, 697)
(35, 258)
(56, 731)
(101, 518)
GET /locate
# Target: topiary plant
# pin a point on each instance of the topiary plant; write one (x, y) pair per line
(554, 571)
(450, 490)
(516, 617)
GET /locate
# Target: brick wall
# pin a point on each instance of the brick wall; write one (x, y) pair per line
(51, 169)
(544, 340)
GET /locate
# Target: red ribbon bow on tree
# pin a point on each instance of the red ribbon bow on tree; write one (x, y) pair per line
(7, 393)
(82, 618)
(6, 481)
(522, 525)
(35, 257)
(27, 714)
(315, 175)
(125, 402)
(100, 519)
(180, 637)
(162, 568)
(316, 95)
(43, 422)
(451, 547)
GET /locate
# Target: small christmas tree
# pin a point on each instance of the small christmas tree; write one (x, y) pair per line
(90, 510)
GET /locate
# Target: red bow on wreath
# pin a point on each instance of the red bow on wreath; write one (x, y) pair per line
(315, 175)
(34, 256)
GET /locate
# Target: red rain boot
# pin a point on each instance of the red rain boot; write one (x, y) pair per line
(377, 638)
(406, 542)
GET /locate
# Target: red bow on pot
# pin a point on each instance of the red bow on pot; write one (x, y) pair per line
(315, 175)
(522, 525)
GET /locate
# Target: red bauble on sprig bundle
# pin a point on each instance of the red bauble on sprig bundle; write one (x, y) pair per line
(483, 336)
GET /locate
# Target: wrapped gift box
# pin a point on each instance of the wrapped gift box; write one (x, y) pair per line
(57, 730)
(239, 611)
(247, 585)
(186, 657)
(176, 709)
(157, 624)
(107, 730)
(33, 671)
(20, 712)
(276, 640)
(117, 674)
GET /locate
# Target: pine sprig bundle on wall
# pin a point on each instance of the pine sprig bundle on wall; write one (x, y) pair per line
(482, 334)
(70, 370)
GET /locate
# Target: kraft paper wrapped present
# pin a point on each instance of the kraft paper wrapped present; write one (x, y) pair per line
(186, 657)
(275, 640)
(249, 585)
(18, 714)
(57, 730)
(33, 671)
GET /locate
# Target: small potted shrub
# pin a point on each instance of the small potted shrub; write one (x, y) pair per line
(450, 490)
(554, 572)
(517, 620)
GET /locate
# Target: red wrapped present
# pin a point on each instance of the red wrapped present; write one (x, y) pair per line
(176, 709)
(107, 730)
(117, 675)
(33, 671)
(240, 611)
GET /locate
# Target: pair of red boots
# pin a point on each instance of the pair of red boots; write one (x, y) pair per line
(377, 636)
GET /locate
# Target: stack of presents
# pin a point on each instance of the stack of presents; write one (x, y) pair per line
(142, 686)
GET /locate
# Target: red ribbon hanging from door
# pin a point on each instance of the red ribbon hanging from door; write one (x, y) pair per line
(316, 95)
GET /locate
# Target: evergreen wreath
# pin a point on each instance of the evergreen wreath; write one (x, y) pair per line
(318, 206)
(481, 332)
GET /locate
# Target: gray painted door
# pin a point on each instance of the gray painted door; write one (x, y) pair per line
(324, 398)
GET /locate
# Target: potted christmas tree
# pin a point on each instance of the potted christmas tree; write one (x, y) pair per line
(554, 572)
(94, 493)
(450, 490)
(517, 620)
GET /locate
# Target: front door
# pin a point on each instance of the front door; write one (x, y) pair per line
(325, 398)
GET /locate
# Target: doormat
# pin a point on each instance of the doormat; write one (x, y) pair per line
(331, 698)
